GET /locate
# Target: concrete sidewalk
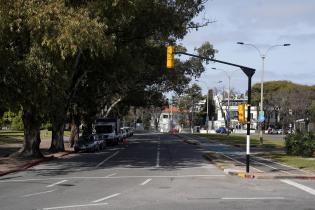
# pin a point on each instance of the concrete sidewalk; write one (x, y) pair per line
(12, 164)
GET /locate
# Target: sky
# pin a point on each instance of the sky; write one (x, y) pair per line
(263, 23)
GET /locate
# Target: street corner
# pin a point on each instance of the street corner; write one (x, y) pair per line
(238, 173)
(228, 166)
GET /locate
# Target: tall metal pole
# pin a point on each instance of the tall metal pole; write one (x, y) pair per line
(207, 119)
(263, 56)
(248, 123)
(249, 73)
(261, 139)
(229, 93)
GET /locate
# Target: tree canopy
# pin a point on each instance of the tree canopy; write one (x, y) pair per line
(64, 55)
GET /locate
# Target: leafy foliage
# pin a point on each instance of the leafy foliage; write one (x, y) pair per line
(301, 143)
(284, 98)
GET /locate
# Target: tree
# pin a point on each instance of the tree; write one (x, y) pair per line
(188, 101)
(41, 40)
(58, 53)
(311, 111)
(283, 98)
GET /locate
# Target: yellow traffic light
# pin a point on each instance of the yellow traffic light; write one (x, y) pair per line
(241, 113)
(170, 57)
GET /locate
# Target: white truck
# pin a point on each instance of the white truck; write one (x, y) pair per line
(108, 130)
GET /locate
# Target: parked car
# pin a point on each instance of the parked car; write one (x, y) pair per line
(221, 130)
(89, 144)
(128, 130)
(124, 132)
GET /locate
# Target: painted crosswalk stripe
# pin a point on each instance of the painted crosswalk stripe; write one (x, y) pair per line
(54, 184)
(145, 182)
(255, 198)
(39, 193)
(299, 186)
(75, 206)
(105, 198)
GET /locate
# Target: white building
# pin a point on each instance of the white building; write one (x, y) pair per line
(221, 105)
(169, 119)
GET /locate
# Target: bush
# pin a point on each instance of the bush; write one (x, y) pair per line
(17, 122)
(47, 126)
(300, 143)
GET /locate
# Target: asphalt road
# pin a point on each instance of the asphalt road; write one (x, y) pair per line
(155, 171)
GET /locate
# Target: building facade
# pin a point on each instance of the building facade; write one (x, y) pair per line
(228, 109)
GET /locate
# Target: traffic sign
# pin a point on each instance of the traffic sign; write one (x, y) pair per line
(261, 117)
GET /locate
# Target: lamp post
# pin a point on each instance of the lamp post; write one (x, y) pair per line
(229, 93)
(263, 56)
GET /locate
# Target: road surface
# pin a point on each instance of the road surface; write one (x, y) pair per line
(155, 171)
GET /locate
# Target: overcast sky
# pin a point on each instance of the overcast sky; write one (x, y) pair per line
(262, 23)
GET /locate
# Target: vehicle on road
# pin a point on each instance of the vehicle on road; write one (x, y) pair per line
(108, 130)
(88, 144)
(124, 132)
(222, 130)
(128, 131)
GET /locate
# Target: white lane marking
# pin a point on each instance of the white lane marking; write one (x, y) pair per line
(240, 162)
(110, 175)
(39, 193)
(300, 186)
(255, 198)
(75, 206)
(105, 198)
(56, 183)
(116, 177)
(108, 158)
(271, 167)
(158, 156)
(145, 182)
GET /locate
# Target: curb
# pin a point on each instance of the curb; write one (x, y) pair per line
(240, 174)
(32, 163)
(27, 165)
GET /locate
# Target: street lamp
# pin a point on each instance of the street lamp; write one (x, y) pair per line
(229, 92)
(263, 57)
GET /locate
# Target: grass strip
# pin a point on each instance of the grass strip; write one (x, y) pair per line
(240, 140)
(295, 161)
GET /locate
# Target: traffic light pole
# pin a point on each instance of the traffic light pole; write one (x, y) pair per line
(249, 73)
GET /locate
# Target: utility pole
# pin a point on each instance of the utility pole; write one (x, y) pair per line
(249, 73)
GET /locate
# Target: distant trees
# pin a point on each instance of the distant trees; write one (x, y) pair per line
(287, 100)
(75, 58)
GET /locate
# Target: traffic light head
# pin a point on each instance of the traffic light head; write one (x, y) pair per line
(241, 113)
(170, 57)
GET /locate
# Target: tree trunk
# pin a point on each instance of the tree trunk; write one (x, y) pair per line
(32, 140)
(57, 141)
(112, 106)
(74, 135)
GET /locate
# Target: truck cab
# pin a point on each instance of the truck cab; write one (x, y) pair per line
(107, 130)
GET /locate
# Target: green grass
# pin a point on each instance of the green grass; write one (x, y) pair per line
(240, 140)
(296, 161)
(269, 142)
(13, 137)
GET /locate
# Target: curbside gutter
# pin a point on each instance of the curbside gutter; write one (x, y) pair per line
(32, 163)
